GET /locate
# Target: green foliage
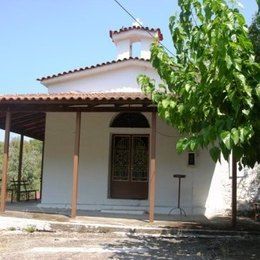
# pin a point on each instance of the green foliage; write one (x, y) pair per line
(32, 156)
(254, 34)
(30, 229)
(11, 228)
(210, 88)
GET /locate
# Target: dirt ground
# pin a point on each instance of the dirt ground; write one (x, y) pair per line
(68, 245)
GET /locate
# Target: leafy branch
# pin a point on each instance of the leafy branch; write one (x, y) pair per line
(210, 89)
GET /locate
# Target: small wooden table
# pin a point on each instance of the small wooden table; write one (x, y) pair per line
(24, 185)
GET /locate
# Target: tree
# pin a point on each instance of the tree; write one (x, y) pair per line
(254, 33)
(32, 158)
(210, 87)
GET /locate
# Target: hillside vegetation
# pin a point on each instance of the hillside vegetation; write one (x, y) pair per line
(32, 157)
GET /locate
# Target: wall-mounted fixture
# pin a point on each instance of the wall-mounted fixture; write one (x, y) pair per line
(191, 159)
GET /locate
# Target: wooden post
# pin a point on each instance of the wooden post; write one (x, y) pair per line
(5, 161)
(76, 166)
(152, 174)
(43, 145)
(20, 167)
(234, 191)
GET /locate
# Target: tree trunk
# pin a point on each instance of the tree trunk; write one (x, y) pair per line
(234, 191)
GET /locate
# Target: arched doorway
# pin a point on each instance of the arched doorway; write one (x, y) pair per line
(130, 159)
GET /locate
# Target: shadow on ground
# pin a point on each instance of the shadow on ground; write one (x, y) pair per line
(182, 248)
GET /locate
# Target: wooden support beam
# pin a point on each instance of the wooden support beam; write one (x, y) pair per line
(39, 131)
(34, 125)
(55, 108)
(234, 191)
(76, 166)
(152, 174)
(20, 167)
(5, 161)
(27, 121)
(32, 130)
(43, 146)
(20, 116)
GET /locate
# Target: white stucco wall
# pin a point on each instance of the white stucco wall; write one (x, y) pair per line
(123, 49)
(119, 77)
(201, 189)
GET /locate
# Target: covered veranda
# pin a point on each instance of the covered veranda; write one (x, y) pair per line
(26, 115)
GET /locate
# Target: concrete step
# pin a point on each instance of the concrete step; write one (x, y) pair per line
(151, 231)
(127, 212)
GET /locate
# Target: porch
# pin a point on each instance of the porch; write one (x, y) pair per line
(34, 210)
(80, 177)
(89, 220)
(26, 115)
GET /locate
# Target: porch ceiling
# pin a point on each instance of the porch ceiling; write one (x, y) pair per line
(28, 111)
(29, 124)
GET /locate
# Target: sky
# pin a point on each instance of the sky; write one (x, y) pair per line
(44, 37)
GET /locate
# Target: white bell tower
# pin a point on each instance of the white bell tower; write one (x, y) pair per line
(126, 36)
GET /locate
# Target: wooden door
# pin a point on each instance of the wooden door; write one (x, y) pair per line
(129, 167)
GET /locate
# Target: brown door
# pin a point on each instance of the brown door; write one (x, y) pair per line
(129, 167)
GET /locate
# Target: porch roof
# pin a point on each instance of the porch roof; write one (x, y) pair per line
(75, 96)
(28, 110)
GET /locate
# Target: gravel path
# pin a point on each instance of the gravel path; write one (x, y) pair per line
(69, 245)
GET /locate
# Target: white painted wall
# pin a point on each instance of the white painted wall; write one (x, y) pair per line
(200, 189)
(121, 77)
(145, 48)
(123, 49)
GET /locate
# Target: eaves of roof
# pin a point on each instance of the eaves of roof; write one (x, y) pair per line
(75, 96)
(90, 67)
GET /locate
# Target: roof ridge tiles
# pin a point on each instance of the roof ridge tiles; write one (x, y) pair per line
(76, 96)
(89, 67)
(134, 27)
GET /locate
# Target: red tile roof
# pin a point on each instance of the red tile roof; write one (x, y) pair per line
(76, 96)
(34, 106)
(126, 29)
(90, 67)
